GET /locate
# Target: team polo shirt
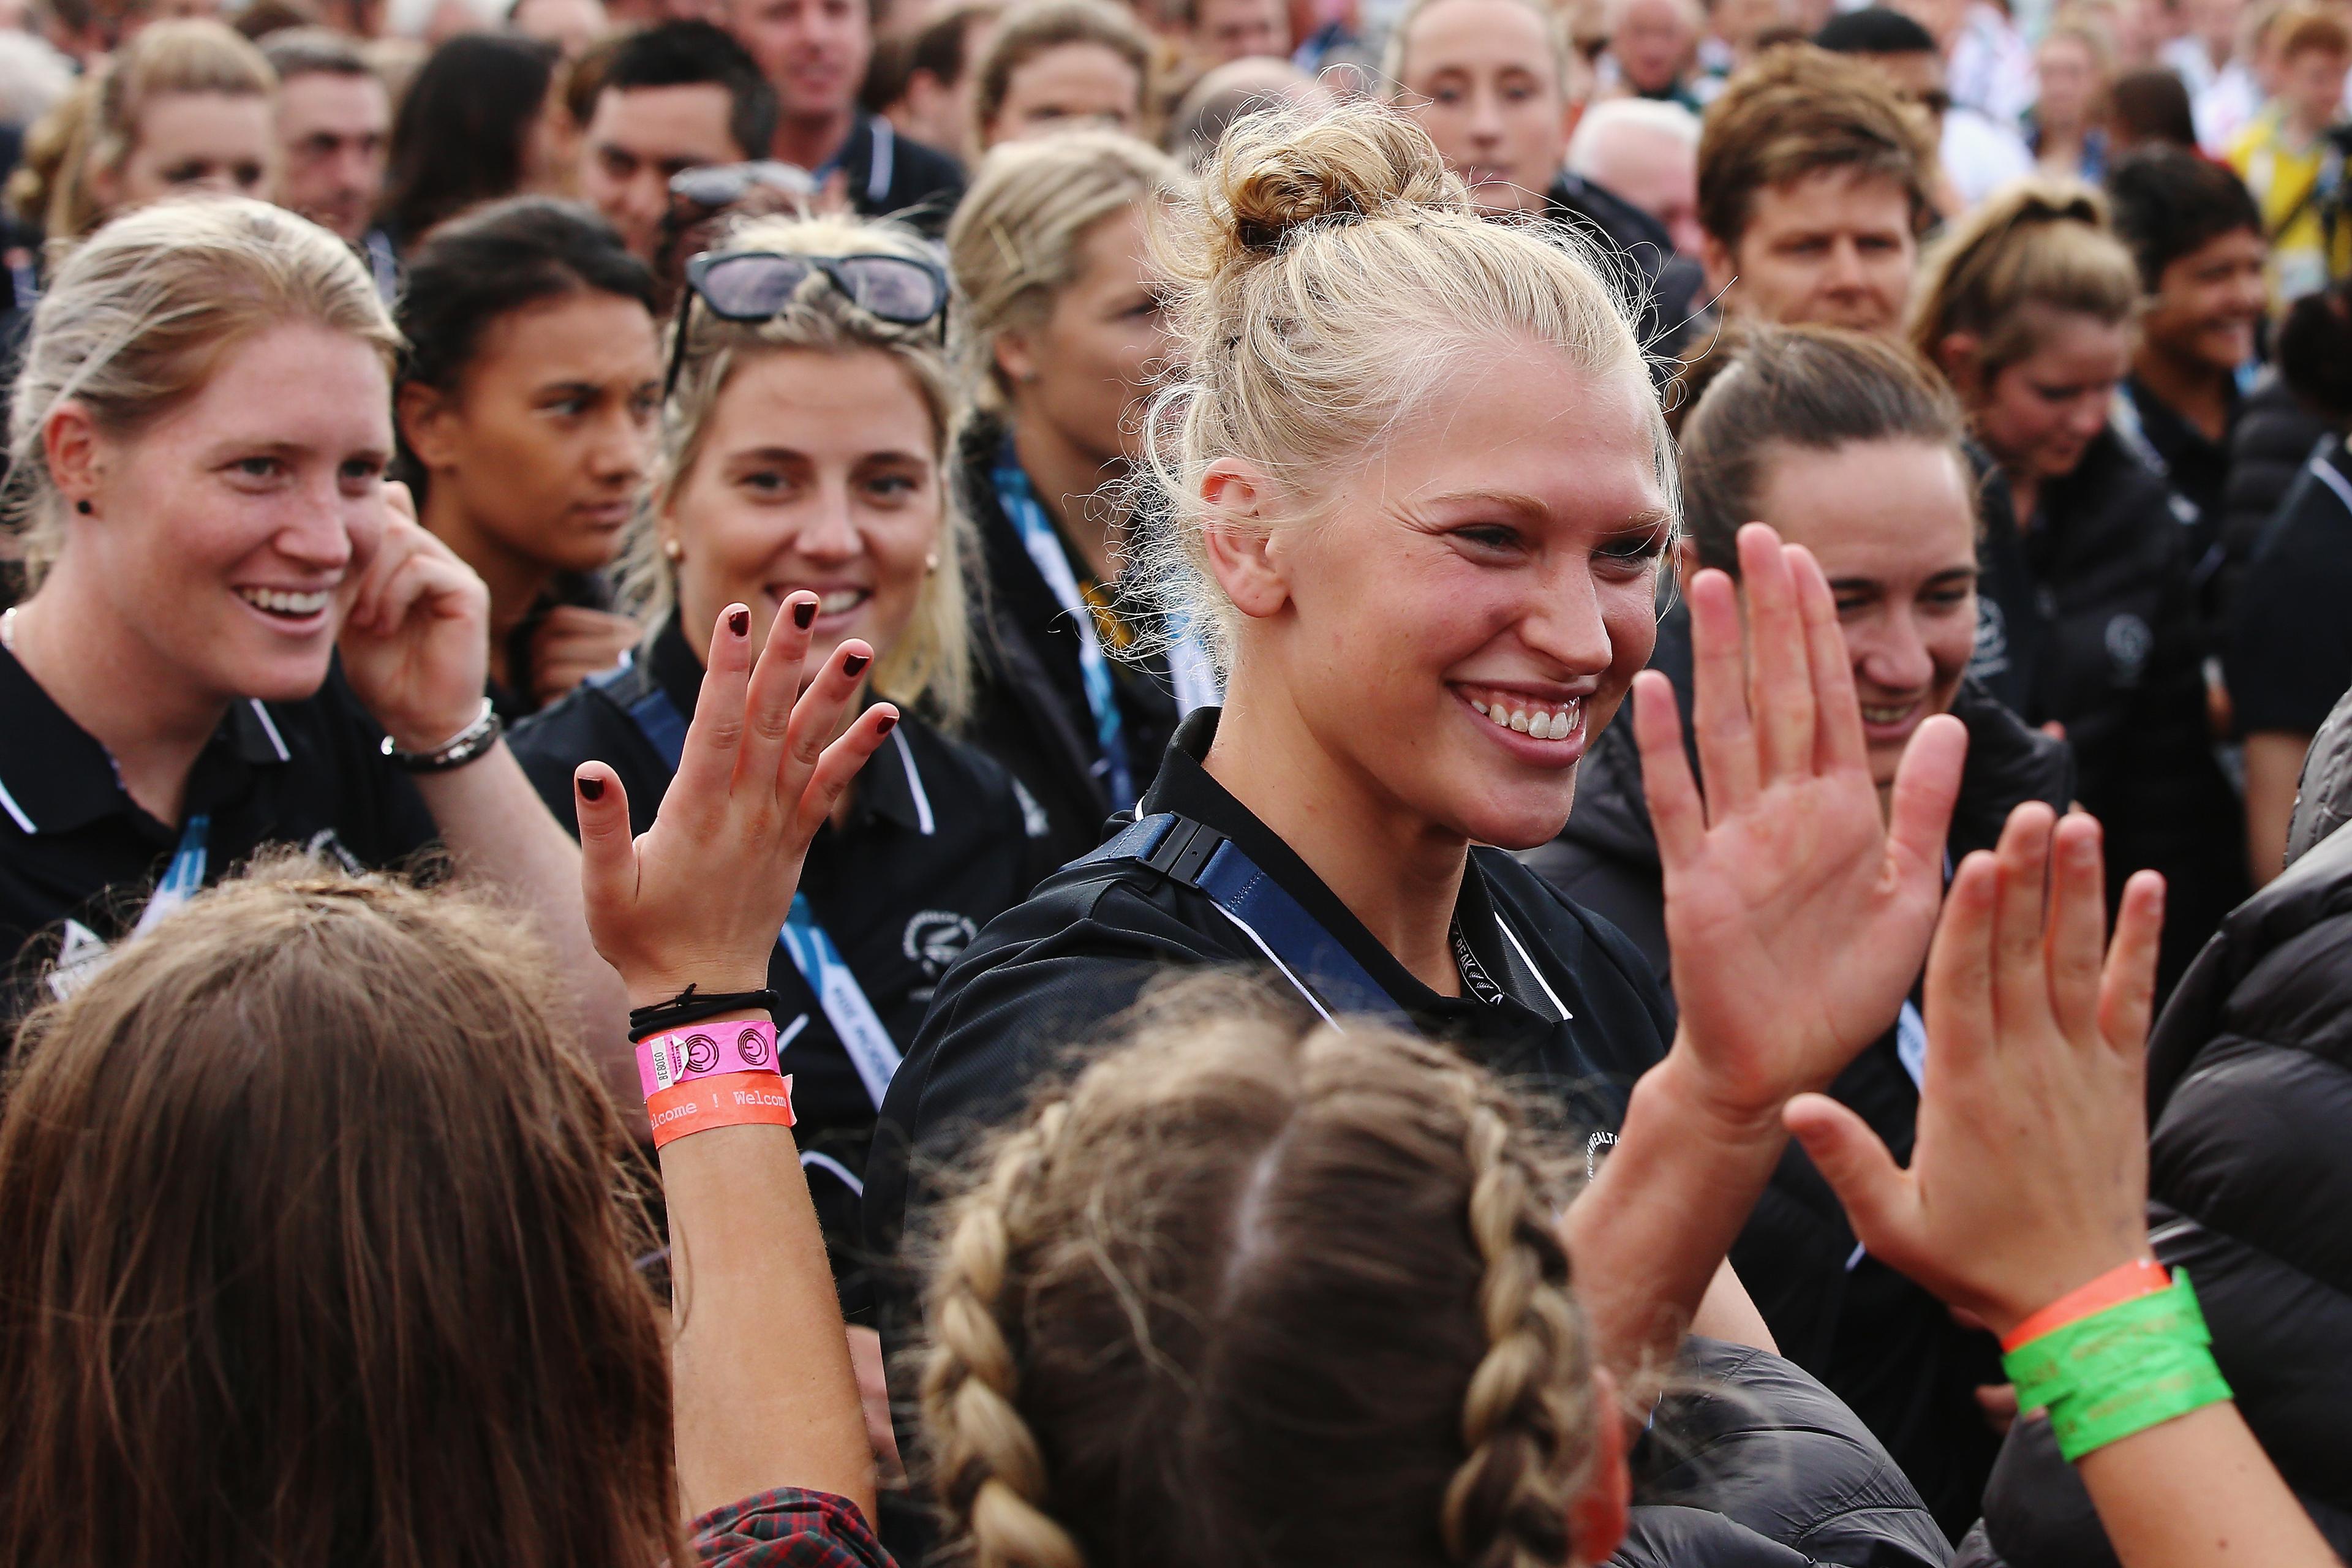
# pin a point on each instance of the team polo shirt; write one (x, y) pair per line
(1554, 998)
(78, 856)
(937, 845)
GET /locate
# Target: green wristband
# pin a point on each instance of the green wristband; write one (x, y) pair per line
(2119, 1371)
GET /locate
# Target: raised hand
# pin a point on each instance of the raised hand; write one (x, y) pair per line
(2029, 1176)
(1796, 917)
(417, 643)
(700, 897)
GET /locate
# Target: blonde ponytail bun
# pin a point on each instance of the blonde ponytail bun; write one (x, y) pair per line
(1275, 176)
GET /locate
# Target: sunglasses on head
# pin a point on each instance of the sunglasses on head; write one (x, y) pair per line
(758, 285)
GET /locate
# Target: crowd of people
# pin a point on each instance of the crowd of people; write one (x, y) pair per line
(1166, 783)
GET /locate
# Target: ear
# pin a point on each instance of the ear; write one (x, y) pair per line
(1597, 1521)
(427, 424)
(1956, 356)
(1686, 561)
(69, 443)
(1016, 360)
(1722, 267)
(1237, 539)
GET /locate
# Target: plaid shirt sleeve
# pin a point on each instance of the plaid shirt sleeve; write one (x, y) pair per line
(788, 1528)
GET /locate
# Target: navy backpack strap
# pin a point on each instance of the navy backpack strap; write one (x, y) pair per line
(1309, 957)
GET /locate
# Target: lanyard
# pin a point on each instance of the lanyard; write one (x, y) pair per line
(182, 877)
(1038, 536)
(871, 1049)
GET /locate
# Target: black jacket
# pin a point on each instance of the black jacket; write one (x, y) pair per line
(1669, 283)
(1884, 1345)
(2272, 439)
(2249, 1089)
(890, 175)
(1030, 712)
(2122, 670)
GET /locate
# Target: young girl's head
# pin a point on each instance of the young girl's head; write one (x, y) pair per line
(185, 107)
(1847, 445)
(527, 396)
(198, 434)
(804, 445)
(1414, 481)
(312, 1250)
(2026, 306)
(1254, 1289)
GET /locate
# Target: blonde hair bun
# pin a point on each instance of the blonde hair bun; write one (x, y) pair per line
(1280, 175)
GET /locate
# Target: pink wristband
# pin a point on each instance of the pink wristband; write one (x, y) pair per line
(699, 1050)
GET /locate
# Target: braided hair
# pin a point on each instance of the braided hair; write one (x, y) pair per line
(1255, 1291)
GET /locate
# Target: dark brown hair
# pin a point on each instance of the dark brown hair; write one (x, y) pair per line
(312, 1250)
(1254, 1290)
(1799, 111)
(1774, 390)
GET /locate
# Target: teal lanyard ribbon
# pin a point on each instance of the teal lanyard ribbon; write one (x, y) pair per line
(185, 874)
(1044, 542)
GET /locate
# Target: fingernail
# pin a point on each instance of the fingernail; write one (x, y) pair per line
(592, 788)
(855, 664)
(804, 614)
(889, 722)
(739, 623)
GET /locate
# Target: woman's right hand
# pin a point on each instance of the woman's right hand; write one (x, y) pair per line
(2029, 1174)
(699, 899)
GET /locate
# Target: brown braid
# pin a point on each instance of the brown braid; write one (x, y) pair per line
(1256, 1290)
(1528, 1416)
(990, 1472)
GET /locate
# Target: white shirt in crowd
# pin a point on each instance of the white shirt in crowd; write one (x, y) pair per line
(1991, 67)
(1981, 155)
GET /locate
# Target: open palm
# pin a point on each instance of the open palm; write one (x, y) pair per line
(1798, 919)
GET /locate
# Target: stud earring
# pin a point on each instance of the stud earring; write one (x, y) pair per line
(932, 563)
(84, 507)
(672, 550)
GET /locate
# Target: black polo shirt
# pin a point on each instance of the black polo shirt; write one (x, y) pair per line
(78, 855)
(936, 846)
(1058, 969)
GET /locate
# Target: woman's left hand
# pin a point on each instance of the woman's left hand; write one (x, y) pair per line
(416, 642)
(1797, 918)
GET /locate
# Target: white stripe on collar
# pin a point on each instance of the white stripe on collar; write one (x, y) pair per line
(271, 726)
(16, 811)
(923, 817)
(2326, 473)
(1533, 968)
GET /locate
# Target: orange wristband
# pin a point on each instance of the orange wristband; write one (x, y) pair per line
(2129, 1283)
(722, 1100)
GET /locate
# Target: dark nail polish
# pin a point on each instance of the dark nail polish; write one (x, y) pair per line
(855, 664)
(804, 614)
(889, 723)
(591, 789)
(739, 623)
